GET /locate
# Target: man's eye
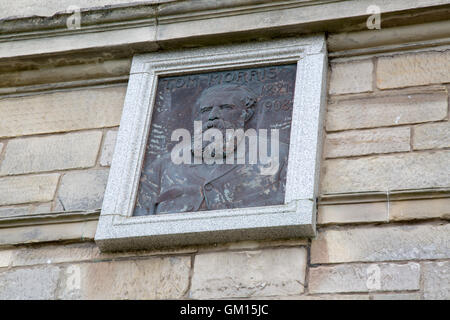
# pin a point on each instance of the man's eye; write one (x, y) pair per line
(226, 106)
(205, 109)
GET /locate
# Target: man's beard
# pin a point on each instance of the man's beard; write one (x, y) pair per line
(222, 126)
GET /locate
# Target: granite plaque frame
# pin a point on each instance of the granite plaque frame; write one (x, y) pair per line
(119, 229)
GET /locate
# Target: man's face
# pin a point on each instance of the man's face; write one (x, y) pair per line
(222, 110)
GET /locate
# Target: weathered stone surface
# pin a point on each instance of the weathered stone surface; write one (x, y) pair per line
(108, 148)
(23, 189)
(6, 258)
(24, 284)
(386, 111)
(364, 142)
(154, 278)
(364, 278)
(268, 272)
(353, 213)
(48, 232)
(390, 172)
(61, 111)
(436, 280)
(387, 243)
(419, 209)
(317, 297)
(413, 69)
(430, 136)
(351, 77)
(56, 152)
(25, 210)
(1, 147)
(82, 190)
(396, 296)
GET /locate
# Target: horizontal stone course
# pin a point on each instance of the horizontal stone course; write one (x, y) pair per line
(389, 110)
(413, 69)
(269, 272)
(432, 136)
(61, 111)
(48, 153)
(419, 209)
(153, 278)
(351, 77)
(364, 278)
(366, 142)
(25, 189)
(381, 243)
(389, 172)
(25, 210)
(352, 213)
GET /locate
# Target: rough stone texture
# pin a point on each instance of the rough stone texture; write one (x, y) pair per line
(61, 111)
(48, 232)
(154, 278)
(108, 148)
(413, 69)
(396, 296)
(390, 172)
(23, 189)
(364, 142)
(82, 190)
(353, 213)
(351, 77)
(6, 258)
(386, 111)
(430, 136)
(419, 209)
(24, 284)
(387, 243)
(56, 152)
(25, 210)
(364, 278)
(436, 280)
(1, 148)
(267, 272)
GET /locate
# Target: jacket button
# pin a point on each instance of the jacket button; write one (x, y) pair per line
(208, 187)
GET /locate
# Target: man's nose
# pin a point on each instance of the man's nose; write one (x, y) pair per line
(214, 113)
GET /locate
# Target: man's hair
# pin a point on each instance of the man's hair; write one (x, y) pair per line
(248, 97)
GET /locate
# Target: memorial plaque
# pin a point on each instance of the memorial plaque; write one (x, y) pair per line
(266, 93)
(218, 144)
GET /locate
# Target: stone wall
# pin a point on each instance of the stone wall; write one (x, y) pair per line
(383, 229)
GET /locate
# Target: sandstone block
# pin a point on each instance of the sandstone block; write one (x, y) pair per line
(351, 77)
(413, 69)
(24, 189)
(269, 272)
(390, 172)
(436, 279)
(61, 111)
(352, 213)
(432, 136)
(25, 210)
(108, 148)
(386, 111)
(420, 209)
(365, 142)
(56, 152)
(82, 190)
(25, 284)
(364, 278)
(387, 243)
(154, 278)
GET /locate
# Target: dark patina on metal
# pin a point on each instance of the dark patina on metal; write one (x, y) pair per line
(258, 98)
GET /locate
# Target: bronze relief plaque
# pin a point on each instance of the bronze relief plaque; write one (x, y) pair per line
(249, 99)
